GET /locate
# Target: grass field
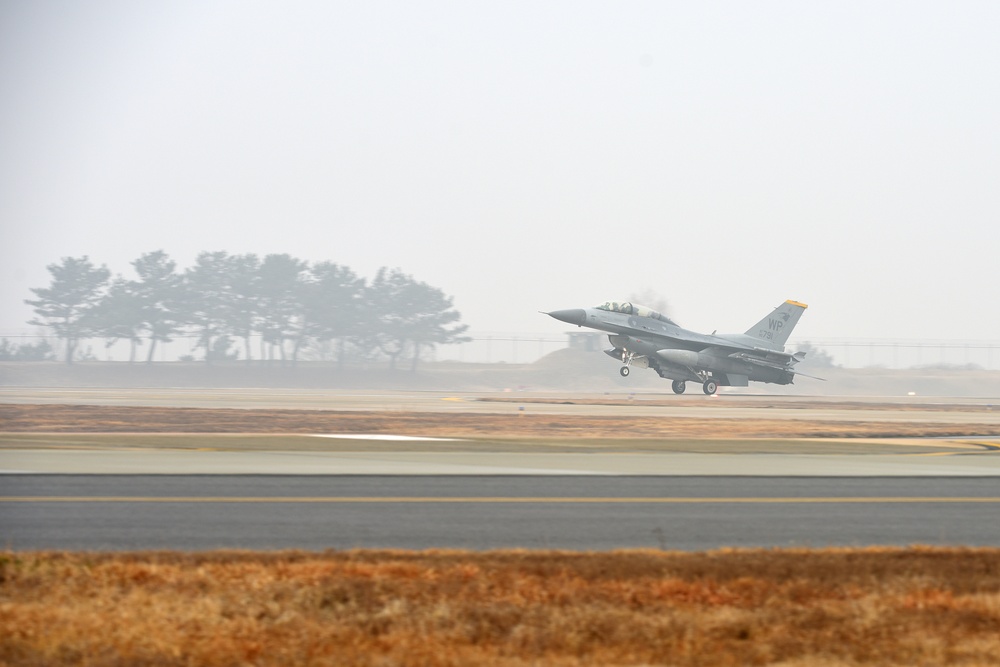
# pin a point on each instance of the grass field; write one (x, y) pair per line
(21, 418)
(916, 606)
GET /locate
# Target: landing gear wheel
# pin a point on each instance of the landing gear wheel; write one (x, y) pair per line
(678, 386)
(624, 371)
(710, 387)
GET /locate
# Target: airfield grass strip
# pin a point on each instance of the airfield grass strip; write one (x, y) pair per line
(757, 402)
(16, 418)
(874, 606)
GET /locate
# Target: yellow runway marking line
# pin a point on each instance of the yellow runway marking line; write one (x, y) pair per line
(492, 500)
(976, 447)
(992, 445)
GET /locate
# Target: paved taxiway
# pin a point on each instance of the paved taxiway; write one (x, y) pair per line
(937, 462)
(688, 513)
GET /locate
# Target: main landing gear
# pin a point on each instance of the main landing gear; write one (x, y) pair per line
(710, 386)
(624, 371)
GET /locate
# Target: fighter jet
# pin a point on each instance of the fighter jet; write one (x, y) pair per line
(644, 338)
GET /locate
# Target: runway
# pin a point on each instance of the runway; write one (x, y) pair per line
(119, 491)
(94, 512)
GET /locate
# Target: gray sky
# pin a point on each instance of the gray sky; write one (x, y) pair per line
(524, 156)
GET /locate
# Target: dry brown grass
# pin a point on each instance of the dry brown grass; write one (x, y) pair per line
(917, 606)
(757, 402)
(115, 419)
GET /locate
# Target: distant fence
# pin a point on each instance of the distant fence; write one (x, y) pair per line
(889, 353)
(523, 348)
(848, 353)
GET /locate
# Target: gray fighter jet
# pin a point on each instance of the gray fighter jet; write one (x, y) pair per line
(644, 338)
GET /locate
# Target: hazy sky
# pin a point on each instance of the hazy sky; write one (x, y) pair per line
(524, 156)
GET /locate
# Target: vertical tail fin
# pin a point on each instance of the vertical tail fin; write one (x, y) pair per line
(776, 327)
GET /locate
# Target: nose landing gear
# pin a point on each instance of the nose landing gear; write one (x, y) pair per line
(627, 358)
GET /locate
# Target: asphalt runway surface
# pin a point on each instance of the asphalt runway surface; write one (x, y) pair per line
(123, 512)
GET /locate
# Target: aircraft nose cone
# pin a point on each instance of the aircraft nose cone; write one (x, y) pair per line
(572, 316)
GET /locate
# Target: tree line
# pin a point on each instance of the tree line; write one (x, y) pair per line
(223, 300)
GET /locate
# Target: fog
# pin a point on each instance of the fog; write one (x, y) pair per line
(720, 157)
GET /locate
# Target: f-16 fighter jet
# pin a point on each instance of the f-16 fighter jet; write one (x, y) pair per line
(643, 338)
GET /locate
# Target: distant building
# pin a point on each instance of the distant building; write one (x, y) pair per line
(591, 341)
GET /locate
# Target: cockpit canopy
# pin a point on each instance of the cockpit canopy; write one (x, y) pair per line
(634, 309)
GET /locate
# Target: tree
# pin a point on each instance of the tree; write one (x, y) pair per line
(405, 313)
(384, 320)
(435, 322)
(220, 350)
(223, 297)
(332, 304)
(209, 300)
(816, 357)
(119, 316)
(159, 292)
(244, 292)
(280, 290)
(67, 304)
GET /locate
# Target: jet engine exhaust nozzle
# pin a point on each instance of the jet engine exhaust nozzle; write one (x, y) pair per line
(571, 316)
